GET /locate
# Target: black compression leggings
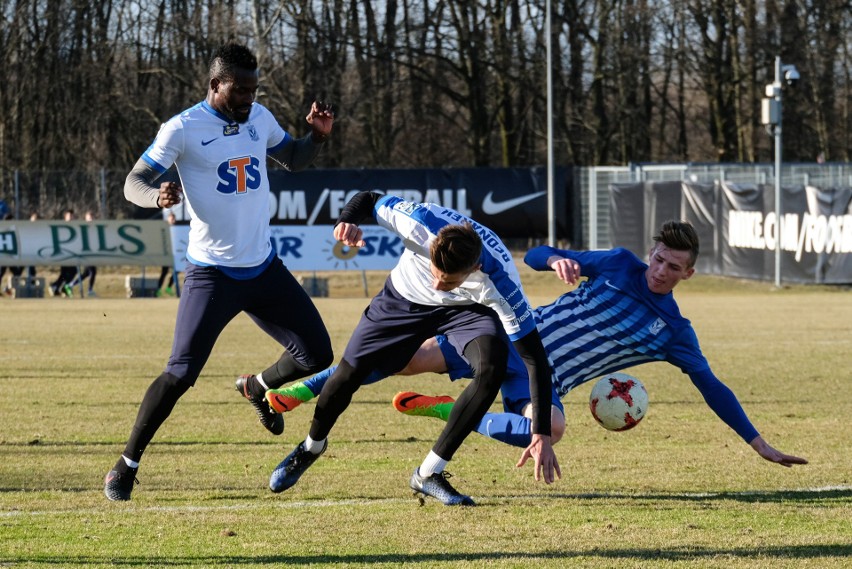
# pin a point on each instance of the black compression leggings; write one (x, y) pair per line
(488, 356)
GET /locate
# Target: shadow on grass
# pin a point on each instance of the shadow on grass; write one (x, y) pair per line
(433, 559)
(747, 496)
(237, 443)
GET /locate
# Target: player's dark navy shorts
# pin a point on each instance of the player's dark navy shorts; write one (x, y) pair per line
(392, 328)
(515, 389)
(274, 300)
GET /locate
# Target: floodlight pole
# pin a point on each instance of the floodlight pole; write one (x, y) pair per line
(551, 198)
(777, 133)
(771, 117)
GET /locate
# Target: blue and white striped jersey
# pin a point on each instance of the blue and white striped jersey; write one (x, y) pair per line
(496, 285)
(612, 321)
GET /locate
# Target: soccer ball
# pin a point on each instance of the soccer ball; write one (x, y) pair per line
(618, 401)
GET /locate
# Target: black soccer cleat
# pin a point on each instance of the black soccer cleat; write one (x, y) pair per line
(289, 470)
(438, 486)
(272, 421)
(119, 485)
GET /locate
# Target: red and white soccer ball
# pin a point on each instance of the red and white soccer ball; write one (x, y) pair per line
(618, 401)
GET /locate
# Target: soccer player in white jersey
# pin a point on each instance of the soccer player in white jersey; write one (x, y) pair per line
(456, 278)
(623, 315)
(219, 148)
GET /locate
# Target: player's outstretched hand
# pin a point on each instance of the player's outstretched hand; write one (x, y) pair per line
(568, 270)
(321, 119)
(170, 193)
(772, 455)
(542, 453)
(349, 234)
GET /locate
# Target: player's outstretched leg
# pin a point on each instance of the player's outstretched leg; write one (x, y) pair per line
(416, 404)
(286, 399)
(509, 428)
(248, 387)
(438, 486)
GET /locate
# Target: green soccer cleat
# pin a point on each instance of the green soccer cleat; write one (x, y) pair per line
(288, 398)
(411, 403)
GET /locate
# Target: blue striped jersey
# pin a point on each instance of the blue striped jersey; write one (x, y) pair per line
(611, 321)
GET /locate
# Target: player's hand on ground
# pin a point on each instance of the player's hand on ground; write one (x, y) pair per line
(170, 194)
(546, 464)
(772, 455)
(349, 234)
(568, 270)
(321, 119)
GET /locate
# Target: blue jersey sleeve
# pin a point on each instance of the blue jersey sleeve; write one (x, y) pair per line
(724, 403)
(592, 263)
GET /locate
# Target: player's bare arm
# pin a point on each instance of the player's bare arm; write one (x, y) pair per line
(772, 455)
(321, 119)
(568, 270)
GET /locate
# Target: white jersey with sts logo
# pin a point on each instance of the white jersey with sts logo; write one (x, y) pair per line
(222, 167)
(496, 285)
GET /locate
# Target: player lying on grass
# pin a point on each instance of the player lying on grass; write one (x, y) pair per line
(623, 315)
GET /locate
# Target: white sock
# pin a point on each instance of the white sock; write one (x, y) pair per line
(259, 378)
(314, 446)
(130, 463)
(432, 464)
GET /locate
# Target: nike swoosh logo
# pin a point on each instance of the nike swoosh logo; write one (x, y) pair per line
(490, 207)
(206, 142)
(610, 285)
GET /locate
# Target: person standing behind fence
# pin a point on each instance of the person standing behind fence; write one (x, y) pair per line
(219, 147)
(89, 272)
(13, 271)
(166, 268)
(62, 284)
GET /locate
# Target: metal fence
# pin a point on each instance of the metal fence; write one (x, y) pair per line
(593, 184)
(51, 192)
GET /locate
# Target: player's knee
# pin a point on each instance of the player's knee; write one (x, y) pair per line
(168, 383)
(557, 425)
(323, 361)
(319, 359)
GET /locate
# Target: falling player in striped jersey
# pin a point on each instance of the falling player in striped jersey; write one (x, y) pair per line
(623, 315)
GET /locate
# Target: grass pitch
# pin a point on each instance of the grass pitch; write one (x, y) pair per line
(680, 490)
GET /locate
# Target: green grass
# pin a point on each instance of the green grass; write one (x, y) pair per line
(680, 490)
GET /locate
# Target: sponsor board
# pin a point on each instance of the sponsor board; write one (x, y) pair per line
(101, 242)
(313, 248)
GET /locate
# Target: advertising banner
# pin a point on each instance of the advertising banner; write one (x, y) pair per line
(313, 248)
(510, 201)
(738, 227)
(101, 242)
